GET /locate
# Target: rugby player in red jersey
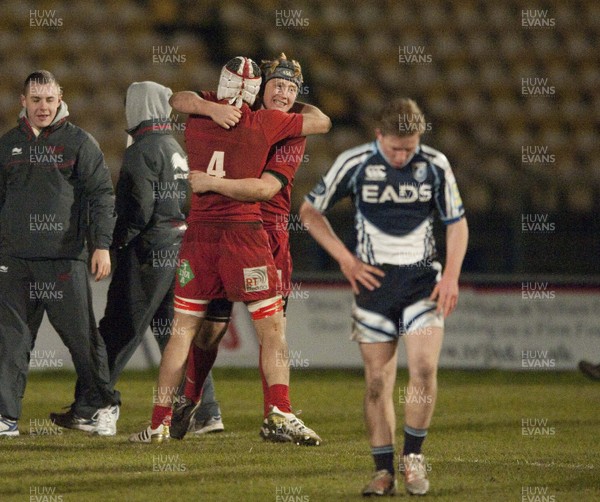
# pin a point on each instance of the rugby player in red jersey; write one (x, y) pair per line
(282, 83)
(225, 251)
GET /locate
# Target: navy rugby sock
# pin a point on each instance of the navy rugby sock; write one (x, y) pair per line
(383, 457)
(413, 439)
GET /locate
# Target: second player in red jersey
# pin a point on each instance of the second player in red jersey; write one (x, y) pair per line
(235, 255)
(283, 79)
(241, 153)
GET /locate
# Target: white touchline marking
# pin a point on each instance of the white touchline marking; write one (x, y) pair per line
(525, 462)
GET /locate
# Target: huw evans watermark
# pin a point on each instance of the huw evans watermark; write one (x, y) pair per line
(291, 18)
(536, 427)
(168, 463)
(291, 359)
(44, 19)
(537, 223)
(45, 359)
(169, 54)
(44, 494)
(537, 494)
(290, 494)
(43, 427)
(536, 291)
(537, 155)
(537, 87)
(45, 222)
(537, 18)
(413, 54)
(537, 359)
(414, 395)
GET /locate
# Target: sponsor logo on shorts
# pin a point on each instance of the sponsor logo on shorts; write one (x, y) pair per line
(3, 269)
(184, 273)
(256, 279)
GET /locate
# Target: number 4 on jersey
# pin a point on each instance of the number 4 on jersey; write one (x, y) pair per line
(215, 166)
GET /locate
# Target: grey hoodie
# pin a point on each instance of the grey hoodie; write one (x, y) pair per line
(152, 187)
(147, 101)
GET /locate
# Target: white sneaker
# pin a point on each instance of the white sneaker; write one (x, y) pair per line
(288, 427)
(150, 435)
(8, 427)
(415, 474)
(210, 425)
(106, 421)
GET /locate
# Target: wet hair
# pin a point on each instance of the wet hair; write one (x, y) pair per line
(40, 77)
(401, 117)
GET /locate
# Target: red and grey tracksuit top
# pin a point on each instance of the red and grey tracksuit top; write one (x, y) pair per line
(55, 191)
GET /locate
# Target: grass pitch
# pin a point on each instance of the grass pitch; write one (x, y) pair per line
(496, 436)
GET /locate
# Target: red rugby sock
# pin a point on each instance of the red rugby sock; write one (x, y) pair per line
(161, 415)
(279, 395)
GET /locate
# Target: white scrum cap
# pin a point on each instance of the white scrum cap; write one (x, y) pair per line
(240, 81)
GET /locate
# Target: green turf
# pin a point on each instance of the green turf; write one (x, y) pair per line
(476, 447)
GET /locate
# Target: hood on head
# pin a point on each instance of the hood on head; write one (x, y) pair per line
(147, 101)
(61, 113)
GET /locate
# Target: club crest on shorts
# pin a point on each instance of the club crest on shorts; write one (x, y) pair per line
(184, 273)
(256, 279)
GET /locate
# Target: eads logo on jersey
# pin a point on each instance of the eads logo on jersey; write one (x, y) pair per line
(256, 279)
(406, 193)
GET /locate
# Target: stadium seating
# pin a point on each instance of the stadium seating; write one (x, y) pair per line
(469, 85)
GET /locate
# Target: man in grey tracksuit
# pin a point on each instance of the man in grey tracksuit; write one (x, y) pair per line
(55, 190)
(150, 202)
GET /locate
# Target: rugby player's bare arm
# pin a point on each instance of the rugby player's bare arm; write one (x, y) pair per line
(353, 269)
(446, 290)
(191, 102)
(314, 121)
(243, 190)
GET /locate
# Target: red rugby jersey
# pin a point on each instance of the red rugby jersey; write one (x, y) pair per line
(236, 153)
(285, 157)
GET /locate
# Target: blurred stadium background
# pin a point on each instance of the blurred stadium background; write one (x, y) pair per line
(469, 83)
(473, 59)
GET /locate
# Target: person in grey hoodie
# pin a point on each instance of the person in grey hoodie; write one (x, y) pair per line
(151, 197)
(55, 190)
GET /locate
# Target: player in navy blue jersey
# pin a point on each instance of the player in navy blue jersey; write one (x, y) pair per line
(397, 186)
